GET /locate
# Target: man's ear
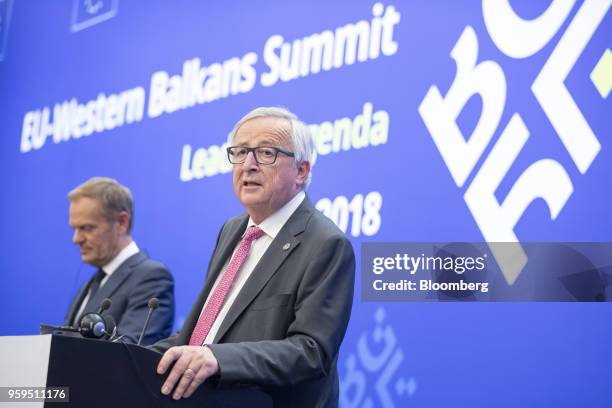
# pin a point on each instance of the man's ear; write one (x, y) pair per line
(303, 172)
(123, 219)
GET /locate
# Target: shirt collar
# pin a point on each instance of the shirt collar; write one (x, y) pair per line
(121, 257)
(273, 224)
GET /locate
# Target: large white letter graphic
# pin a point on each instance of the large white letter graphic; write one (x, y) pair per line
(552, 94)
(440, 113)
(519, 38)
(545, 179)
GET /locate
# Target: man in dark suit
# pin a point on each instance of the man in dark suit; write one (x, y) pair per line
(101, 214)
(278, 295)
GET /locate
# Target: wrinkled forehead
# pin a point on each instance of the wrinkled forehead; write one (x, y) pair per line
(264, 130)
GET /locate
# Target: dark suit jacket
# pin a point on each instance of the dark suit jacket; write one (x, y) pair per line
(283, 332)
(129, 288)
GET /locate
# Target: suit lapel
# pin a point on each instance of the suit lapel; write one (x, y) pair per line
(74, 307)
(268, 265)
(115, 280)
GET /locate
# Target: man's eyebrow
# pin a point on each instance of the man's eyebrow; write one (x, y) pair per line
(82, 225)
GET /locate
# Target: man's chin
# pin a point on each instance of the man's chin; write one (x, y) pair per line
(250, 198)
(251, 191)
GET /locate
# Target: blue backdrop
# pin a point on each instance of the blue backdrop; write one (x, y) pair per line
(434, 121)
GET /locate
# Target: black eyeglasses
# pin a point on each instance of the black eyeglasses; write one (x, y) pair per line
(263, 154)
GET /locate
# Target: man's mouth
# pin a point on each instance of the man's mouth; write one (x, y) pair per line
(248, 183)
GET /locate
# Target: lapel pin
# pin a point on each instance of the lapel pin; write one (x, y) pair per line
(286, 246)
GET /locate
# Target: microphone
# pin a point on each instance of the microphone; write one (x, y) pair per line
(106, 303)
(91, 325)
(153, 304)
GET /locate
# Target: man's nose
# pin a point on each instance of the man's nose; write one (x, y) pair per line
(76, 237)
(250, 162)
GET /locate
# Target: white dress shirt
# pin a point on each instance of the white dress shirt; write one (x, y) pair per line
(271, 227)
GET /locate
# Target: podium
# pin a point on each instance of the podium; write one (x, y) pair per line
(102, 374)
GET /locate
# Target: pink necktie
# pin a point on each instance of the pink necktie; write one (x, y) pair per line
(212, 308)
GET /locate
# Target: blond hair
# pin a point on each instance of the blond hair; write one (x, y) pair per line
(113, 197)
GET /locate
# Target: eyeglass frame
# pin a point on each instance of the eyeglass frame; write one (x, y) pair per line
(253, 150)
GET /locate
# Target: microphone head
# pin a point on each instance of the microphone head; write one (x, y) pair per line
(153, 303)
(106, 303)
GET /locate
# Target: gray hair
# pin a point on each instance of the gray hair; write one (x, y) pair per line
(303, 142)
(113, 197)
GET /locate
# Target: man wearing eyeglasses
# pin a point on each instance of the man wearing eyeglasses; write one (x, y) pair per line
(278, 295)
